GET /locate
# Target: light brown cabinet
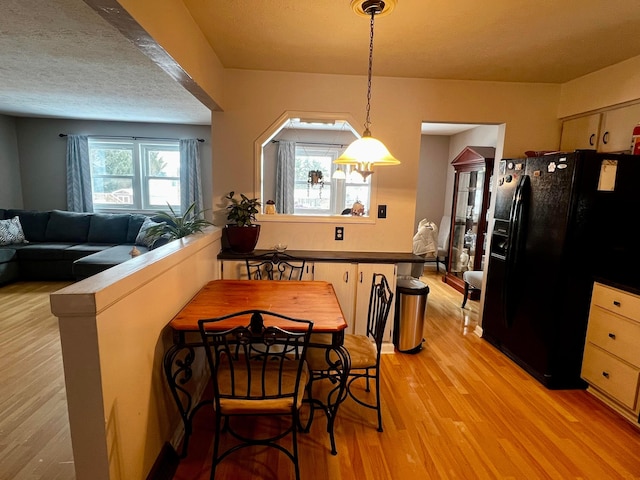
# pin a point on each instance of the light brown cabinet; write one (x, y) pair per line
(609, 131)
(611, 362)
(467, 239)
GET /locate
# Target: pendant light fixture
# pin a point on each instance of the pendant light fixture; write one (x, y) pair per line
(367, 151)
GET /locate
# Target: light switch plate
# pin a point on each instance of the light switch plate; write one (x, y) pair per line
(382, 211)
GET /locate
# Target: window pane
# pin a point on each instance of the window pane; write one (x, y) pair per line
(312, 199)
(113, 191)
(163, 163)
(111, 160)
(357, 193)
(163, 191)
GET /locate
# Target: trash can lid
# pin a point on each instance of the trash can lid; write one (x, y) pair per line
(411, 286)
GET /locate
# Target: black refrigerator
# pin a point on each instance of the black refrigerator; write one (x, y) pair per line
(562, 221)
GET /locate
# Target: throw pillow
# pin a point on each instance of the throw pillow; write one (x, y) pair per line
(11, 231)
(144, 237)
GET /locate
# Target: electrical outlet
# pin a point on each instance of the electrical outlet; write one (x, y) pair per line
(382, 211)
(339, 233)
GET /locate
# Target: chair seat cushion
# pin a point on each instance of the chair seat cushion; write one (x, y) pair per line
(361, 349)
(253, 404)
(473, 278)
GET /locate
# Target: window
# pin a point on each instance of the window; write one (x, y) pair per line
(134, 174)
(316, 192)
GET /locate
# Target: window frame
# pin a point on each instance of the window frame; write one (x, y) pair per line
(140, 178)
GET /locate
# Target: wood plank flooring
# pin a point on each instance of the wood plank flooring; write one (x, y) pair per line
(35, 442)
(457, 409)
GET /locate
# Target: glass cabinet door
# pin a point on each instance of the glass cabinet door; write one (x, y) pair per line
(468, 207)
(473, 167)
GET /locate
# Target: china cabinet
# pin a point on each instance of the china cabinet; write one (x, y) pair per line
(471, 191)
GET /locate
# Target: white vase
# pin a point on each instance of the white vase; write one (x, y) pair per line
(464, 258)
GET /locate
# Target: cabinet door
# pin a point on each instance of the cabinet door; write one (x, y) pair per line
(582, 132)
(617, 128)
(234, 270)
(364, 279)
(343, 277)
(308, 273)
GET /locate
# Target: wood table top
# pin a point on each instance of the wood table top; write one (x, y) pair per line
(308, 300)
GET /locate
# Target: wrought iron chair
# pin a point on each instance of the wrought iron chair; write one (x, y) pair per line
(275, 266)
(257, 369)
(364, 350)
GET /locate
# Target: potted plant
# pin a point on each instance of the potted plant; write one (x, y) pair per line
(242, 234)
(172, 226)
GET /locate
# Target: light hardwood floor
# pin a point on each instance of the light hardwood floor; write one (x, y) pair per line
(34, 426)
(457, 409)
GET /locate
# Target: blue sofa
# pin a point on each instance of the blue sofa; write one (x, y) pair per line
(61, 245)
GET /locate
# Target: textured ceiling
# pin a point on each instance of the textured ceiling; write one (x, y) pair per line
(61, 59)
(501, 40)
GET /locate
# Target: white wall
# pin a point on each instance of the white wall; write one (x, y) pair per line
(10, 183)
(613, 85)
(432, 179)
(254, 100)
(113, 331)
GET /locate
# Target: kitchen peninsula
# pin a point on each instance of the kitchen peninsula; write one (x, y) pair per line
(349, 272)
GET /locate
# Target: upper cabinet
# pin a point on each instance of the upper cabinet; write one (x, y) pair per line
(608, 131)
(473, 170)
(580, 133)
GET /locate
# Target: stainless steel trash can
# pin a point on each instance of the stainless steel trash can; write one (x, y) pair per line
(411, 306)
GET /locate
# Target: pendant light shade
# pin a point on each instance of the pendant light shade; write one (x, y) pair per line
(367, 151)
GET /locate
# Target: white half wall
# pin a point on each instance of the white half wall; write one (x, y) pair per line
(113, 330)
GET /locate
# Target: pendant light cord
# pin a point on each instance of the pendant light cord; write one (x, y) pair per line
(367, 123)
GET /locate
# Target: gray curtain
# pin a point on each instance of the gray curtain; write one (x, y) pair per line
(190, 181)
(285, 176)
(79, 196)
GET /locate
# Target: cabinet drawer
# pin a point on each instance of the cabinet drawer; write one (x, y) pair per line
(617, 301)
(614, 334)
(611, 375)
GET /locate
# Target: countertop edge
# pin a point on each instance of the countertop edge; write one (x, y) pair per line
(329, 256)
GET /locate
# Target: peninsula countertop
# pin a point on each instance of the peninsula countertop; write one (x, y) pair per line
(330, 256)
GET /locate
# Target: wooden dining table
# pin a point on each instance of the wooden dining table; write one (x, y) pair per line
(308, 300)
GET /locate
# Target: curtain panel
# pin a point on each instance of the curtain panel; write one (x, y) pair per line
(285, 177)
(79, 196)
(190, 177)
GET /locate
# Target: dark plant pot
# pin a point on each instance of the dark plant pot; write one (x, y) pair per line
(242, 239)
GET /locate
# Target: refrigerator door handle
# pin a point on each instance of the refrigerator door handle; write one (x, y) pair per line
(516, 234)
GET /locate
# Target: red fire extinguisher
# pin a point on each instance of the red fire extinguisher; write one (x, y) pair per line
(635, 140)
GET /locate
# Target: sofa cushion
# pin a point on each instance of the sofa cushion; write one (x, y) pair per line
(144, 238)
(34, 223)
(43, 251)
(68, 227)
(135, 222)
(11, 231)
(83, 249)
(97, 262)
(7, 255)
(2, 215)
(9, 268)
(108, 228)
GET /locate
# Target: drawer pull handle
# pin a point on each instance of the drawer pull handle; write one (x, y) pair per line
(605, 374)
(616, 303)
(612, 336)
